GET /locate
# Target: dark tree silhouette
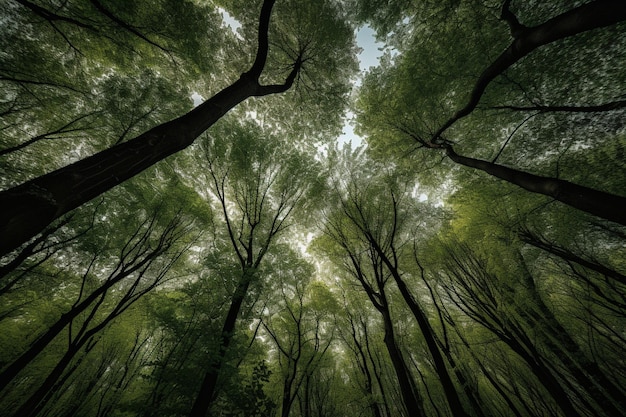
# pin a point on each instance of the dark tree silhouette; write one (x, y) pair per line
(27, 209)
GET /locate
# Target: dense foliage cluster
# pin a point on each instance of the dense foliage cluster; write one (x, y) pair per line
(164, 258)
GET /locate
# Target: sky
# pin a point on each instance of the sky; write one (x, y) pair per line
(371, 51)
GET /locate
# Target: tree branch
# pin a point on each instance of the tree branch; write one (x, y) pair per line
(597, 14)
(598, 203)
(263, 40)
(613, 105)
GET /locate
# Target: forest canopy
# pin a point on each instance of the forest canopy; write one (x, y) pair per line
(183, 234)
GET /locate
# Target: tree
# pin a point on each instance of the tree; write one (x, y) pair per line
(478, 295)
(461, 296)
(140, 263)
(28, 208)
(364, 263)
(252, 182)
(363, 207)
(302, 328)
(426, 132)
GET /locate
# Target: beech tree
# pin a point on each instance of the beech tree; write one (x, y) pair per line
(257, 194)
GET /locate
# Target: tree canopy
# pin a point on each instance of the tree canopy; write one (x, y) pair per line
(181, 233)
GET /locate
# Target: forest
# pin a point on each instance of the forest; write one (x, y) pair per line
(183, 234)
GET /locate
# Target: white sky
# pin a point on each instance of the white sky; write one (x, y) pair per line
(371, 51)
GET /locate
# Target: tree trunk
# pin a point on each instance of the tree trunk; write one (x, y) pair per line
(410, 398)
(286, 401)
(27, 209)
(40, 344)
(589, 16)
(32, 406)
(440, 366)
(601, 204)
(207, 391)
(586, 372)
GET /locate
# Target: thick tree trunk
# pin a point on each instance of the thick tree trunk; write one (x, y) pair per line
(605, 205)
(27, 209)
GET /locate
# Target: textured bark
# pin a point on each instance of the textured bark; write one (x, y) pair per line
(601, 204)
(27, 209)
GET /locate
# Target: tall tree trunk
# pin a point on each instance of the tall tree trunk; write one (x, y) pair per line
(410, 397)
(427, 332)
(474, 289)
(287, 399)
(207, 391)
(364, 368)
(27, 209)
(601, 204)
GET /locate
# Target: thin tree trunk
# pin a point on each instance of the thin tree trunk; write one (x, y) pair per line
(207, 391)
(601, 204)
(609, 398)
(475, 292)
(427, 332)
(34, 403)
(407, 388)
(12, 370)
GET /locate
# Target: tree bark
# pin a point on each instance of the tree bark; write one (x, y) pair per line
(605, 205)
(27, 209)
(593, 15)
